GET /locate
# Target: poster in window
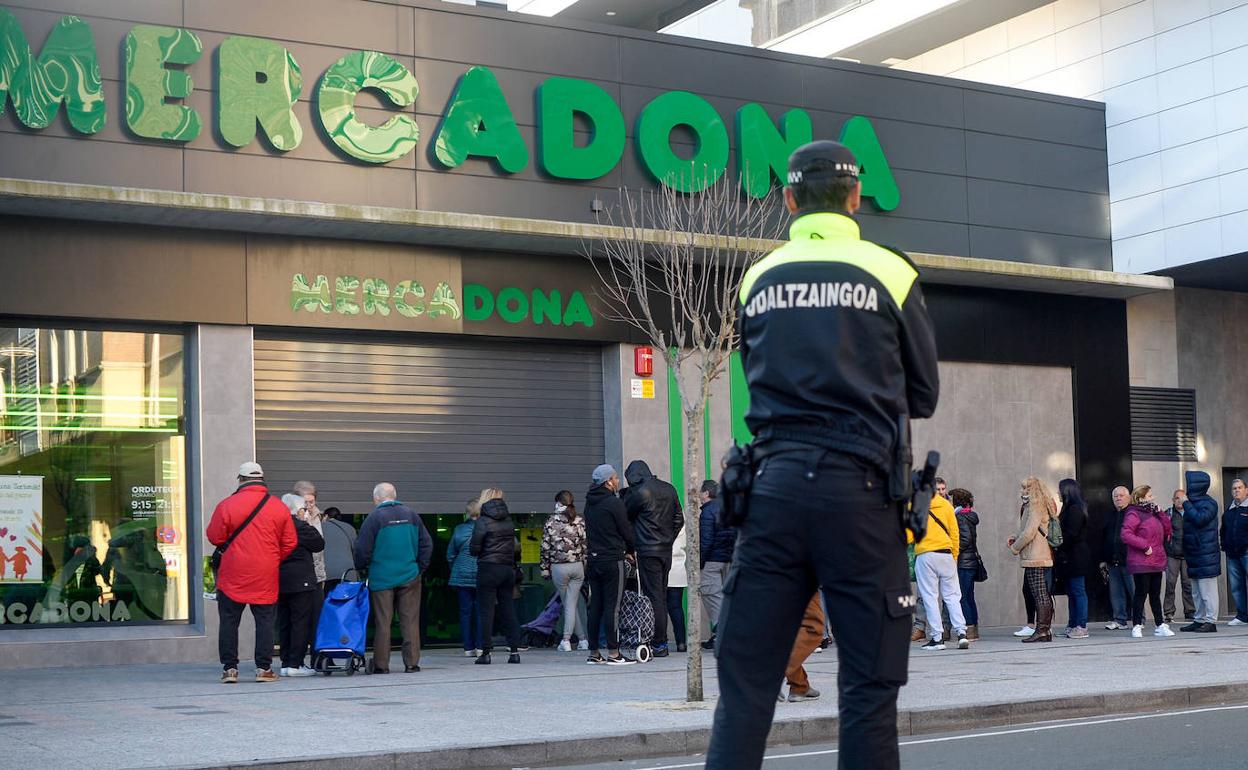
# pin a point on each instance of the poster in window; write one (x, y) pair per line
(21, 529)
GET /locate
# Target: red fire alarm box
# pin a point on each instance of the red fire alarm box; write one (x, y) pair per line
(643, 361)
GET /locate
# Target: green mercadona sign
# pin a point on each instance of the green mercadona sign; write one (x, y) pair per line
(259, 82)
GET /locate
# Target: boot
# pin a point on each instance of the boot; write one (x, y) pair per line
(1044, 621)
(918, 634)
(972, 633)
(483, 659)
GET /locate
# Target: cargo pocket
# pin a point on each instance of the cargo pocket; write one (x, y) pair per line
(892, 665)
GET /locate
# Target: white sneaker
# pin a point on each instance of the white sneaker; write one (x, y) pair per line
(1137, 632)
(1163, 630)
(472, 653)
(565, 646)
(1237, 622)
(283, 671)
(582, 645)
(1114, 625)
(1025, 631)
(301, 671)
(478, 652)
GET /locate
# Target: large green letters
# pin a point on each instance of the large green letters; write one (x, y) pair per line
(878, 183)
(336, 105)
(764, 150)
(66, 70)
(654, 132)
(149, 82)
(558, 101)
(479, 122)
(257, 81)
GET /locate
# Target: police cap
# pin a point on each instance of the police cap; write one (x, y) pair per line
(823, 159)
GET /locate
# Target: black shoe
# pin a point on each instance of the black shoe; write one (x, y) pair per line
(372, 668)
(1207, 628)
(709, 644)
(1191, 627)
(484, 660)
(411, 669)
(513, 658)
(660, 651)
(825, 643)
(682, 648)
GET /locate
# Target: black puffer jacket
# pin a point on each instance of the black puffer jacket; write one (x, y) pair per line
(297, 572)
(968, 544)
(654, 509)
(494, 535)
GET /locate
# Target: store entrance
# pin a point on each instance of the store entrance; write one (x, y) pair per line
(441, 420)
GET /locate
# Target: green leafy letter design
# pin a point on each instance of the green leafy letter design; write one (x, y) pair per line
(336, 105)
(66, 70)
(149, 83)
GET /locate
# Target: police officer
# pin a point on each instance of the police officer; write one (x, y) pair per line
(839, 353)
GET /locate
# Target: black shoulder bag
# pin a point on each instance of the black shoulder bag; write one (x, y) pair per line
(215, 559)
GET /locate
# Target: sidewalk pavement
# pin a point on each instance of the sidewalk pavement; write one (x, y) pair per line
(553, 707)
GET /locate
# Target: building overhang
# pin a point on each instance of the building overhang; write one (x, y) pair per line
(162, 208)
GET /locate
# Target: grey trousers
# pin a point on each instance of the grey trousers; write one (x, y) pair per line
(714, 575)
(1176, 574)
(568, 579)
(1205, 592)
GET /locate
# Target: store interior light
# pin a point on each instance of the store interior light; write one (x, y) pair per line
(832, 34)
(539, 7)
(93, 479)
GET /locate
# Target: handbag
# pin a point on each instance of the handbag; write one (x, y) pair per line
(215, 559)
(981, 572)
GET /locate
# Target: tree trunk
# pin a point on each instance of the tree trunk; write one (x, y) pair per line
(693, 505)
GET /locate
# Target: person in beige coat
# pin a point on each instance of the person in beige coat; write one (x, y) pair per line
(1031, 545)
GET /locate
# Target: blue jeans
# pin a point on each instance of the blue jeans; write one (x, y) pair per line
(469, 628)
(1237, 572)
(966, 580)
(1121, 593)
(1077, 598)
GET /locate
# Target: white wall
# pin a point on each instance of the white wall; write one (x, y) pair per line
(1174, 78)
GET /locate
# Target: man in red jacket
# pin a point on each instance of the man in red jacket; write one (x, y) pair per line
(247, 576)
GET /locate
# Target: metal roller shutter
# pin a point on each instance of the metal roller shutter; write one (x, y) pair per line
(441, 420)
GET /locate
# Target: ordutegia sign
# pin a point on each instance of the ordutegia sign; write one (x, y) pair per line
(259, 81)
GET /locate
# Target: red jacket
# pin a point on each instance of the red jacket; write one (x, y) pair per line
(248, 573)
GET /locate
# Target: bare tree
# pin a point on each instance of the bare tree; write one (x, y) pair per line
(671, 265)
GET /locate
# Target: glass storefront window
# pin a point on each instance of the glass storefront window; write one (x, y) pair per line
(92, 478)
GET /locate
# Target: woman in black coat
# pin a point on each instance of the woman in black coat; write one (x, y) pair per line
(1074, 558)
(494, 544)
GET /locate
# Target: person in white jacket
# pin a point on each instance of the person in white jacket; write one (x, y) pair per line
(677, 582)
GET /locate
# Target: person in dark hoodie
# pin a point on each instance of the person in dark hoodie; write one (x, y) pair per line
(1200, 549)
(653, 507)
(716, 544)
(297, 592)
(396, 548)
(1235, 543)
(494, 544)
(609, 543)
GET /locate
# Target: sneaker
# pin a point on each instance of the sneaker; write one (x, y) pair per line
(1078, 632)
(565, 646)
(682, 648)
(513, 657)
(1237, 622)
(229, 676)
(660, 651)
(1193, 626)
(1207, 628)
(825, 643)
(810, 694)
(471, 653)
(620, 660)
(1163, 630)
(1114, 625)
(596, 659)
(1137, 632)
(301, 671)
(933, 645)
(582, 646)
(709, 644)
(817, 650)
(477, 652)
(266, 675)
(780, 698)
(1025, 631)
(411, 669)
(963, 644)
(522, 648)
(283, 671)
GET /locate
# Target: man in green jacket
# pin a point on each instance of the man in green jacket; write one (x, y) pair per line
(395, 548)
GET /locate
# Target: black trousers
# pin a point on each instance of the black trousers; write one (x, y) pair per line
(815, 520)
(606, 591)
(676, 611)
(294, 625)
(496, 584)
(654, 569)
(230, 614)
(1147, 586)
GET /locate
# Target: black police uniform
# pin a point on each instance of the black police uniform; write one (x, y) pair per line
(837, 347)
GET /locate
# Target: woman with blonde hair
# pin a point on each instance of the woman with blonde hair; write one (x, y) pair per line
(1145, 532)
(1031, 545)
(494, 544)
(464, 579)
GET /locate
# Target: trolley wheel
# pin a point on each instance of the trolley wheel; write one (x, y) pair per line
(643, 654)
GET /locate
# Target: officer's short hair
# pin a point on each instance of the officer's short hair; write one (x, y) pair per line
(824, 194)
(710, 488)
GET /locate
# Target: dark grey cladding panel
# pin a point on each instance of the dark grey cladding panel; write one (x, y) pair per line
(1041, 209)
(921, 147)
(1033, 162)
(517, 44)
(710, 72)
(440, 191)
(1040, 248)
(163, 12)
(883, 96)
(1035, 118)
(26, 155)
(348, 23)
(915, 234)
(936, 197)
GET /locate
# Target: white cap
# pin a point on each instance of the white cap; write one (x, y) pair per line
(250, 471)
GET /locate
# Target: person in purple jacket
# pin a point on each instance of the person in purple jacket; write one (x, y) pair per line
(1145, 531)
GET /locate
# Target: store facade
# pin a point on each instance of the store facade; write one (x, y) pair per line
(348, 241)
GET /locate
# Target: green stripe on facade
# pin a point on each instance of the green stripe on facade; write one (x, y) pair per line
(739, 395)
(675, 434)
